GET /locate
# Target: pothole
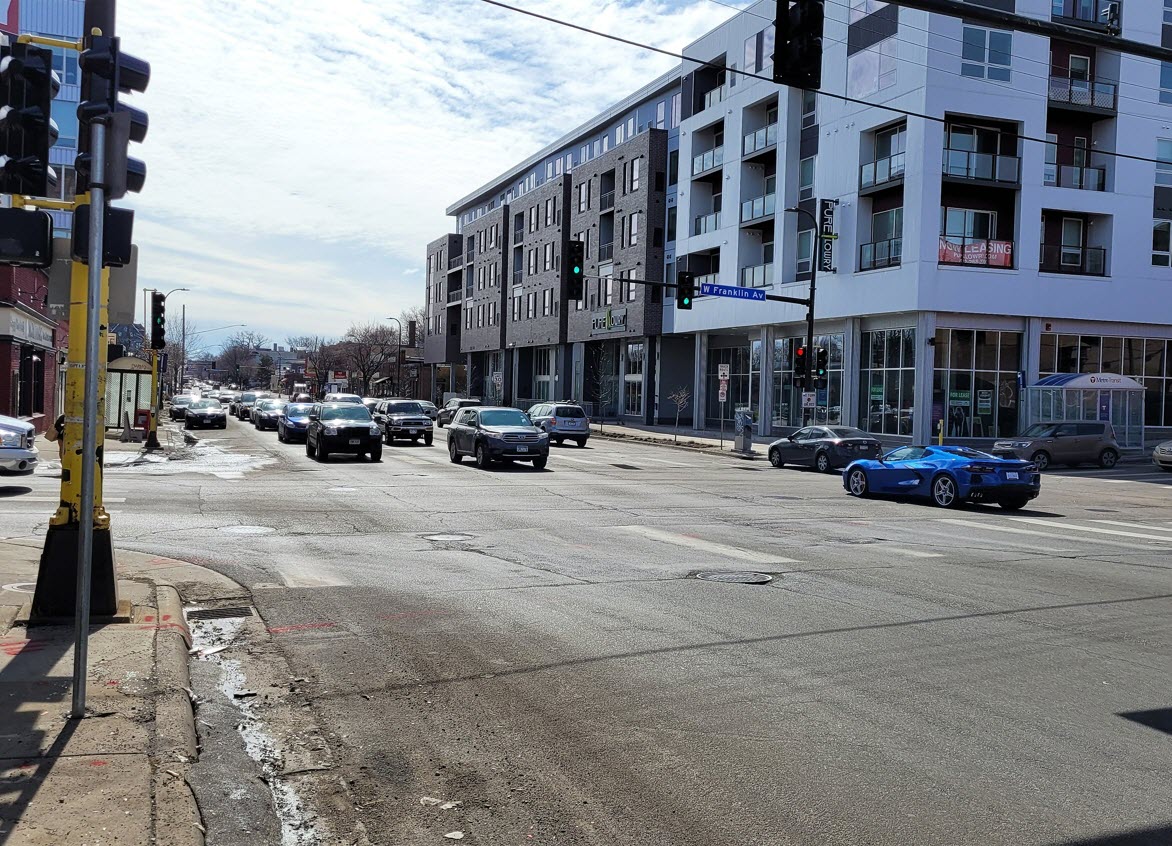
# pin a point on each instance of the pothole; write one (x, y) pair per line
(247, 530)
(451, 537)
(735, 578)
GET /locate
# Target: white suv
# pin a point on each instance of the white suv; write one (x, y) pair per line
(562, 421)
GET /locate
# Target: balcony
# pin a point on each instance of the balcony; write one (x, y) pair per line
(1094, 14)
(706, 279)
(879, 254)
(758, 276)
(518, 276)
(716, 95)
(975, 252)
(706, 223)
(519, 235)
(1083, 261)
(1069, 176)
(761, 139)
(455, 296)
(880, 172)
(606, 251)
(606, 201)
(758, 207)
(1083, 94)
(987, 167)
(468, 257)
(707, 161)
(455, 261)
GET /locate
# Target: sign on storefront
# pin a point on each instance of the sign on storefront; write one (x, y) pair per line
(976, 251)
(984, 402)
(826, 230)
(611, 320)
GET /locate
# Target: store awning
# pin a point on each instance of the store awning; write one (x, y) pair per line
(1090, 382)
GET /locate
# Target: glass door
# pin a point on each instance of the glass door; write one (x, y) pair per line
(1072, 243)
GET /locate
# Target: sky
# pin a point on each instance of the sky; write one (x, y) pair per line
(301, 153)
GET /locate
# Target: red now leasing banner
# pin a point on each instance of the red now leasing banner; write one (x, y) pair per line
(976, 251)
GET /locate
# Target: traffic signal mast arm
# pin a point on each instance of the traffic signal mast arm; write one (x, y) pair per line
(672, 285)
(46, 41)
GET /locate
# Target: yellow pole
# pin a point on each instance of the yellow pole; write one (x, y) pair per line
(153, 438)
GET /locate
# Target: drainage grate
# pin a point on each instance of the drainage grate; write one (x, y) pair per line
(228, 613)
(626, 466)
(737, 578)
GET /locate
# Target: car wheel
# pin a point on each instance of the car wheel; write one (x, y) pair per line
(224, 425)
(1108, 458)
(439, 423)
(453, 455)
(944, 492)
(539, 463)
(187, 424)
(322, 455)
(1015, 504)
(1041, 459)
(482, 459)
(388, 439)
(559, 441)
(427, 439)
(857, 484)
(822, 463)
(581, 443)
(775, 458)
(376, 454)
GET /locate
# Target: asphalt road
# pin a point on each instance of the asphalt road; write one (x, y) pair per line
(534, 646)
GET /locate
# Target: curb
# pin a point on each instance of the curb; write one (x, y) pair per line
(683, 445)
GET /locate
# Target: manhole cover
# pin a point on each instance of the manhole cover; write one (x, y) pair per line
(220, 613)
(737, 578)
(20, 587)
(247, 530)
(453, 537)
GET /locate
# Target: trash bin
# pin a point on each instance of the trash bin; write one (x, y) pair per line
(744, 432)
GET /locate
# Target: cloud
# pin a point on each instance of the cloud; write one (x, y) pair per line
(301, 153)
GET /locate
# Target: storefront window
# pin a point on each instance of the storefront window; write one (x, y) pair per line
(543, 373)
(975, 383)
(633, 380)
(887, 381)
(1143, 359)
(744, 363)
(787, 400)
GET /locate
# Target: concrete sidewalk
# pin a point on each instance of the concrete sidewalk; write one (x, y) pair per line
(118, 776)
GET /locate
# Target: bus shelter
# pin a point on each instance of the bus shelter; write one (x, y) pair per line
(128, 388)
(1090, 396)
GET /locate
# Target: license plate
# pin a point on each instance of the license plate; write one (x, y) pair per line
(355, 441)
(522, 449)
(1011, 474)
(413, 431)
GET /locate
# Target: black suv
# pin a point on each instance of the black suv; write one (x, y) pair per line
(497, 434)
(342, 427)
(446, 414)
(403, 418)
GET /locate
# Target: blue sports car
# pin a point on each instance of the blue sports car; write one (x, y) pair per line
(947, 475)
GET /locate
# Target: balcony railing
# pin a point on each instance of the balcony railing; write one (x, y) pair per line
(758, 207)
(455, 296)
(1103, 13)
(519, 235)
(455, 261)
(715, 96)
(606, 251)
(1085, 261)
(1083, 92)
(707, 161)
(760, 139)
(518, 276)
(879, 254)
(988, 166)
(706, 279)
(977, 252)
(1070, 176)
(468, 257)
(706, 223)
(606, 201)
(758, 276)
(881, 171)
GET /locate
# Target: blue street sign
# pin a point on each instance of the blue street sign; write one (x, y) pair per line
(710, 290)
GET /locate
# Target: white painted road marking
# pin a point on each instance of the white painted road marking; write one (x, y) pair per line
(972, 524)
(308, 576)
(913, 553)
(701, 545)
(1076, 527)
(665, 461)
(1133, 525)
(560, 457)
(55, 499)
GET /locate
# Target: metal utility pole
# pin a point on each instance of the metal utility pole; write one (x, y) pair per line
(398, 353)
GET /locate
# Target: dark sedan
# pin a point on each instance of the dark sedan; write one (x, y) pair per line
(497, 434)
(294, 422)
(266, 413)
(343, 427)
(825, 448)
(205, 412)
(452, 407)
(179, 404)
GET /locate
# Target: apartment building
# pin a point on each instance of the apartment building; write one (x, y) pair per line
(976, 251)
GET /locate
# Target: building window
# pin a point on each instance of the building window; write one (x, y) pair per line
(584, 196)
(633, 379)
(546, 302)
(676, 103)
(744, 361)
(673, 167)
(619, 134)
(1147, 360)
(809, 110)
(974, 384)
(517, 303)
(751, 53)
(547, 257)
(985, 53)
(787, 399)
(806, 178)
(672, 213)
(873, 69)
(660, 114)
(887, 379)
(805, 251)
(861, 8)
(64, 114)
(1162, 243)
(1164, 163)
(533, 219)
(531, 305)
(635, 174)
(549, 170)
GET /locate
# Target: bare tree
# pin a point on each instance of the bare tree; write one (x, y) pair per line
(416, 315)
(238, 360)
(321, 355)
(182, 347)
(681, 396)
(367, 349)
(604, 380)
(249, 339)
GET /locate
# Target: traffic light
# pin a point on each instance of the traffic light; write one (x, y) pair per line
(801, 367)
(574, 270)
(685, 290)
(158, 321)
(797, 56)
(27, 131)
(106, 71)
(821, 362)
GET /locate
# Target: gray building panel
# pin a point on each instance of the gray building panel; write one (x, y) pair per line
(61, 18)
(441, 341)
(542, 287)
(486, 267)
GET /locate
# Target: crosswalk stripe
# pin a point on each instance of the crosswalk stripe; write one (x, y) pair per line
(1133, 525)
(665, 461)
(992, 527)
(701, 545)
(1094, 529)
(560, 457)
(913, 553)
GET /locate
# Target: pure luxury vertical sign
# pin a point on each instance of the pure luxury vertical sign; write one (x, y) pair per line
(826, 230)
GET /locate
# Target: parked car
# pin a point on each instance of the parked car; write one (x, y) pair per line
(1069, 442)
(428, 408)
(947, 475)
(179, 404)
(444, 415)
(343, 398)
(205, 412)
(403, 418)
(561, 421)
(491, 434)
(294, 421)
(342, 427)
(228, 400)
(245, 402)
(267, 412)
(18, 455)
(825, 448)
(1162, 456)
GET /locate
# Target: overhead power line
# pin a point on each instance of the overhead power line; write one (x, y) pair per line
(751, 75)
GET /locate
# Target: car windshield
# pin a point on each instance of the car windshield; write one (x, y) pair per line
(346, 398)
(273, 405)
(206, 403)
(403, 408)
(248, 396)
(967, 452)
(1039, 430)
(345, 412)
(569, 411)
(184, 400)
(504, 417)
(299, 409)
(847, 432)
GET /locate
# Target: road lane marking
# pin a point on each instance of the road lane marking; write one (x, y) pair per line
(1133, 525)
(1055, 524)
(304, 576)
(665, 461)
(56, 499)
(702, 545)
(913, 553)
(411, 459)
(972, 524)
(561, 457)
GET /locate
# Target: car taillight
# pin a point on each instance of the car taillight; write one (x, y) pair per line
(979, 468)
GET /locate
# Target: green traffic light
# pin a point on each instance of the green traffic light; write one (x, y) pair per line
(577, 270)
(687, 300)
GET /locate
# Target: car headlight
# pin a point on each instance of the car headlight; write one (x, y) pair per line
(1020, 444)
(375, 430)
(10, 439)
(330, 430)
(543, 436)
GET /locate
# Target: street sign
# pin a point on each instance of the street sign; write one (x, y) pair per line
(498, 378)
(710, 290)
(808, 398)
(723, 395)
(826, 230)
(722, 371)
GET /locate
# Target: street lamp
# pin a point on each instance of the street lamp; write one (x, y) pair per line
(398, 355)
